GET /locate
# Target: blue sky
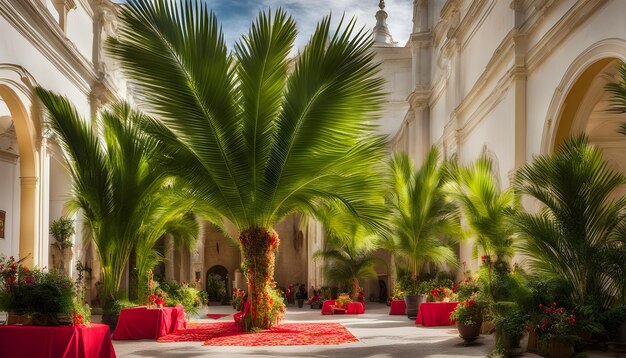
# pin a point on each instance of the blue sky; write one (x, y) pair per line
(237, 15)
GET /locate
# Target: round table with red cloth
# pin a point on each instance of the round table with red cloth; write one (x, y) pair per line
(435, 313)
(149, 323)
(353, 307)
(398, 307)
(56, 341)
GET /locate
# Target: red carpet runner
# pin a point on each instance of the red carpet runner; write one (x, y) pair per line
(288, 334)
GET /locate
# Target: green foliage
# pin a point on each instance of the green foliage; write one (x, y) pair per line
(114, 307)
(61, 230)
(424, 222)
(257, 134)
(468, 312)
(618, 90)
(349, 251)
(182, 294)
(573, 236)
(215, 287)
(326, 293)
(468, 287)
(126, 200)
(488, 211)
(46, 296)
(509, 319)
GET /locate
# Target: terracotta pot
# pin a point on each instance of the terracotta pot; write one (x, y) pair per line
(469, 333)
(558, 349)
(23, 319)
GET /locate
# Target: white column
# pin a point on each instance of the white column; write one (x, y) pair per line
(43, 237)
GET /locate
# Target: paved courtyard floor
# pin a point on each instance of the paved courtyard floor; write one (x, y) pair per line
(379, 334)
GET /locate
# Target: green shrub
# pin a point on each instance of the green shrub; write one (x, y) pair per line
(182, 294)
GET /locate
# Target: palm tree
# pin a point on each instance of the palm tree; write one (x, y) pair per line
(618, 89)
(349, 251)
(580, 224)
(257, 135)
(114, 182)
(423, 220)
(488, 211)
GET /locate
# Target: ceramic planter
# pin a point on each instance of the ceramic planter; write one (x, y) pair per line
(300, 303)
(411, 306)
(469, 333)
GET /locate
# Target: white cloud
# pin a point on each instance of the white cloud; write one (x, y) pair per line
(237, 15)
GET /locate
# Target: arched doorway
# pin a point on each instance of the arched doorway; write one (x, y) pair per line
(222, 272)
(581, 104)
(16, 101)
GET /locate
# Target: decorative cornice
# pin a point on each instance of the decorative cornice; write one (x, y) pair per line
(562, 29)
(33, 20)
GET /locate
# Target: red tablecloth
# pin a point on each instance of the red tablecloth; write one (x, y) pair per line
(53, 342)
(353, 307)
(435, 313)
(397, 307)
(149, 323)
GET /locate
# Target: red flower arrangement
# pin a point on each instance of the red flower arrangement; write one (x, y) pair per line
(556, 323)
(441, 293)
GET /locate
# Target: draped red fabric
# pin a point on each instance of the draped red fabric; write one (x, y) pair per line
(61, 341)
(435, 313)
(149, 323)
(398, 307)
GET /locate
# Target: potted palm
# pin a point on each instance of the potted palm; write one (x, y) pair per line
(349, 251)
(423, 221)
(469, 318)
(62, 230)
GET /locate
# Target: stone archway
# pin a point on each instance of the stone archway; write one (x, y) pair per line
(580, 92)
(581, 104)
(15, 92)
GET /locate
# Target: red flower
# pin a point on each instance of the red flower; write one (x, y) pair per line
(13, 267)
(158, 301)
(482, 258)
(11, 258)
(28, 280)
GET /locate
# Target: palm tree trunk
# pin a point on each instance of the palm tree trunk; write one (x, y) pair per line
(355, 289)
(258, 248)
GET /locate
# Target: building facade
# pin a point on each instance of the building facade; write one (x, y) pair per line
(510, 78)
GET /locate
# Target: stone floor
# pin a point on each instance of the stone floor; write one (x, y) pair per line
(379, 334)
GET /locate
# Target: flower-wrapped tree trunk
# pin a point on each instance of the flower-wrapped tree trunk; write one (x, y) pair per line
(258, 251)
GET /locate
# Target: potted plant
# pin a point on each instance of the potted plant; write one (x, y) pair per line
(342, 301)
(409, 287)
(62, 230)
(510, 326)
(301, 295)
(556, 329)
(316, 301)
(35, 297)
(469, 317)
(111, 312)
